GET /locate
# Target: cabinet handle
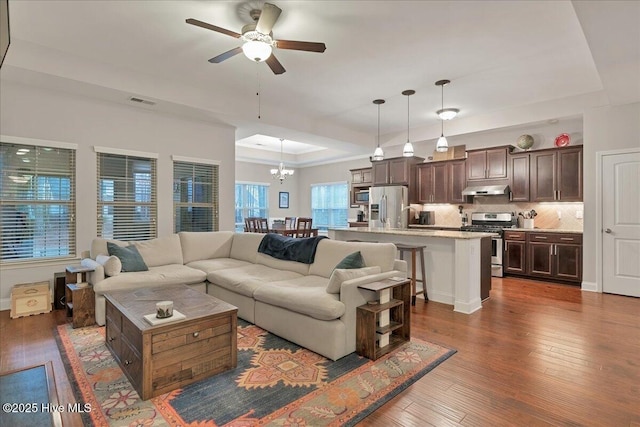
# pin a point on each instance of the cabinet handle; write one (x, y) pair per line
(567, 238)
(112, 339)
(195, 334)
(511, 196)
(127, 362)
(540, 237)
(559, 194)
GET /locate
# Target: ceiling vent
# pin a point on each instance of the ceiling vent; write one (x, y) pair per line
(141, 101)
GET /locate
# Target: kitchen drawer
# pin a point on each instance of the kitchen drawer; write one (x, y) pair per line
(515, 235)
(569, 238)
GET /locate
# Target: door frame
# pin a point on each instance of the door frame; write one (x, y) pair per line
(599, 213)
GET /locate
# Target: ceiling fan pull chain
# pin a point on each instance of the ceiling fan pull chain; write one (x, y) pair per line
(258, 93)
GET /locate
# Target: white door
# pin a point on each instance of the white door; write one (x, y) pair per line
(621, 224)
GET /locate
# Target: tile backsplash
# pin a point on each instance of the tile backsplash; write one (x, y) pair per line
(558, 216)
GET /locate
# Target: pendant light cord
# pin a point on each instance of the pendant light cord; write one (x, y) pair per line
(442, 108)
(408, 118)
(378, 144)
(258, 93)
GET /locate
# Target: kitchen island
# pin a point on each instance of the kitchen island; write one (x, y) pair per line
(453, 260)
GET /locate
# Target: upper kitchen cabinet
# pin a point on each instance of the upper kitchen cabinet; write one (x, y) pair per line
(488, 164)
(556, 175)
(519, 182)
(395, 171)
(361, 177)
(440, 182)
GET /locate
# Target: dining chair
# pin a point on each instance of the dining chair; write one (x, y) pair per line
(251, 224)
(303, 229)
(290, 222)
(263, 225)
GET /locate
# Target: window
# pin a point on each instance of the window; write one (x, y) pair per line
(195, 196)
(37, 202)
(127, 206)
(329, 205)
(251, 200)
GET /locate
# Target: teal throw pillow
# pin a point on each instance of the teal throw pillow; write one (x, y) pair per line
(353, 260)
(129, 257)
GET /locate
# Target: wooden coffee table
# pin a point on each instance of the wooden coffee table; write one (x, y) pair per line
(161, 358)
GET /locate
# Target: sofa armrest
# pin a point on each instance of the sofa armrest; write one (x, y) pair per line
(352, 297)
(400, 265)
(95, 276)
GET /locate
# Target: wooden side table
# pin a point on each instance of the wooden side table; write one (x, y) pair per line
(382, 327)
(80, 300)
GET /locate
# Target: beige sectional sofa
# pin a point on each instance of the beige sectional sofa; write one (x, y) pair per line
(308, 304)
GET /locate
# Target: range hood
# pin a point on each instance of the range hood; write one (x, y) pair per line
(486, 190)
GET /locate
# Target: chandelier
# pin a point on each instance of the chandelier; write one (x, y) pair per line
(281, 173)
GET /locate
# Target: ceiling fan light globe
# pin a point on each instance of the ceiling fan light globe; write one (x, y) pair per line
(256, 50)
(378, 155)
(407, 150)
(442, 145)
(447, 113)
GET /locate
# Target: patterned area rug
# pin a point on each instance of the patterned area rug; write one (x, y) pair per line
(276, 383)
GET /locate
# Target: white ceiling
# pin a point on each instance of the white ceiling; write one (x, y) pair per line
(509, 62)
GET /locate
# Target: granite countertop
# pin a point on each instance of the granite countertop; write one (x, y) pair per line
(447, 234)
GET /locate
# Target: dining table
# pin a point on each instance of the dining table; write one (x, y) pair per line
(289, 231)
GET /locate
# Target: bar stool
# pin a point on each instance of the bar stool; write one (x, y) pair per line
(414, 249)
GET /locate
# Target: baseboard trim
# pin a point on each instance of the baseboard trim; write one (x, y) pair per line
(590, 287)
(5, 304)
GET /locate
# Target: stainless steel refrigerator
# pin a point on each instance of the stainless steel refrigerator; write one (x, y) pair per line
(389, 207)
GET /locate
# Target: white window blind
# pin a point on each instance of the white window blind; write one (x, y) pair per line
(195, 197)
(37, 202)
(330, 205)
(127, 202)
(252, 200)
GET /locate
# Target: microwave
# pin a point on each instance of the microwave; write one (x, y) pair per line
(362, 196)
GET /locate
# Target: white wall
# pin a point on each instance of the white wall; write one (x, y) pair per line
(605, 128)
(31, 112)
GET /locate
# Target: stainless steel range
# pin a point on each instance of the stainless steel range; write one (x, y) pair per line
(493, 222)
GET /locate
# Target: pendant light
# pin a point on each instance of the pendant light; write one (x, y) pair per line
(281, 173)
(407, 150)
(378, 154)
(444, 114)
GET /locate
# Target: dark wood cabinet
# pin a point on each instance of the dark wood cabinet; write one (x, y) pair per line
(395, 171)
(515, 259)
(361, 176)
(457, 173)
(488, 164)
(519, 182)
(556, 175)
(440, 182)
(555, 256)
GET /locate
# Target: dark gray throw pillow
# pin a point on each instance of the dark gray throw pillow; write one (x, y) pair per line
(353, 260)
(129, 257)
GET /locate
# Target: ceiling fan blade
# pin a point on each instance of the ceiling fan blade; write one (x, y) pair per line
(213, 28)
(297, 45)
(224, 56)
(275, 65)
(268, 17)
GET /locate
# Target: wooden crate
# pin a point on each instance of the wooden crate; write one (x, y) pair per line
(30, 298)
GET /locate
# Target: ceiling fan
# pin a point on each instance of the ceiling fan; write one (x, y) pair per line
(258, 39)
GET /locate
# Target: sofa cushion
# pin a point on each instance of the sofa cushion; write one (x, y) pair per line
(353, 260)
(269, 261)
(129, 256)
(246, 279)
(245, 246)
(112, 264)
(331, 252)
(305, 295)
(209, 265)
(156, 276)
(197, 246)
(340, 275)
(161, 251)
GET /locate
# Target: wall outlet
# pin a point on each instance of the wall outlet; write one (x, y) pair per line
(579, 214)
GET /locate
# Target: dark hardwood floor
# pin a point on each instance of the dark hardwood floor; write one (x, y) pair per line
(536, 354)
